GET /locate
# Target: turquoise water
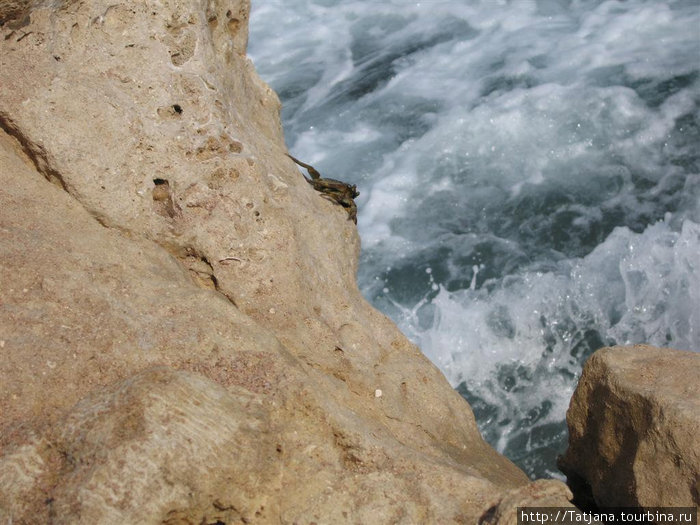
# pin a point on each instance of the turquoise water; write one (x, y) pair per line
(529, 175)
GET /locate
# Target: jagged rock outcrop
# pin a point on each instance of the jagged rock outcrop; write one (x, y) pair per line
(634, 422)
(540, 494)
(182, 336)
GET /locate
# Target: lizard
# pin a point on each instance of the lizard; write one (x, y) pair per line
(332, 189)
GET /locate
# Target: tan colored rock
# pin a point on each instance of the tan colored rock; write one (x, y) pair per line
(182, 336)
(543, 493)
(84, 307)
(159, 446)
(91, 91)
(634, 422)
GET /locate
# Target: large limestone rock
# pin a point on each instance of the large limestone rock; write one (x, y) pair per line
(634, 423)
(181, 333)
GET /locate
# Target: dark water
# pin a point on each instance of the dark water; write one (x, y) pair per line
(529, 175)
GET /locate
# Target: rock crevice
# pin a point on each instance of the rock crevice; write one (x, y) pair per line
(34, 152)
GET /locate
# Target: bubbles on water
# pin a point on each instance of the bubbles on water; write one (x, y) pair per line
(510, 349)
(529, 176)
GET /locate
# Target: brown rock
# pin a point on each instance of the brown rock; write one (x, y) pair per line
(634, 422)
(182, 337)
(543, 493)
(162, 446)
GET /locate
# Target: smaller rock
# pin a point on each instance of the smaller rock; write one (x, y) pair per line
(634, 422)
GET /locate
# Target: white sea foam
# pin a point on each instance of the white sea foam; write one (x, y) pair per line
(632, 288)
(529, 175)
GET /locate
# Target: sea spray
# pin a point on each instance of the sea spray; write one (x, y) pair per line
(529, 175)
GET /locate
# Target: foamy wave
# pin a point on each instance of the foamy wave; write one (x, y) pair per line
(529, 178)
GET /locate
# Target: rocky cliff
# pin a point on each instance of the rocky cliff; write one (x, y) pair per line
(182, 337)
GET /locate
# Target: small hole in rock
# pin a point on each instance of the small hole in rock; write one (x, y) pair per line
(177, 108)
(159, 182)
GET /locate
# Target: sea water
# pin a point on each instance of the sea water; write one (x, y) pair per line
(529, 175)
